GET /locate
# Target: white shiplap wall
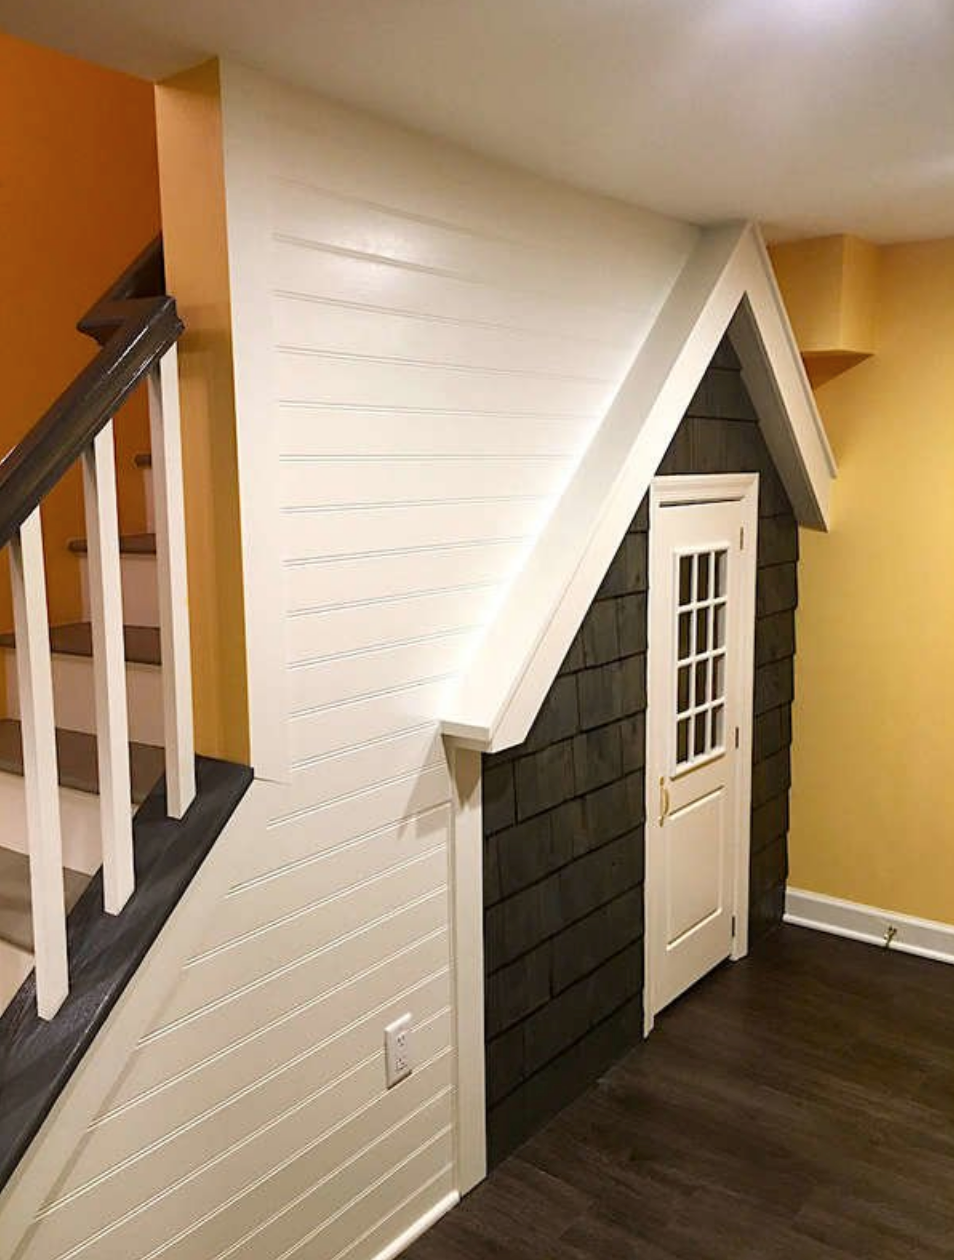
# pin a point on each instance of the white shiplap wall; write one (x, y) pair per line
(424, 342)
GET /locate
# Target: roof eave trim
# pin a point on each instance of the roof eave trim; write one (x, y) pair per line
(726, 284)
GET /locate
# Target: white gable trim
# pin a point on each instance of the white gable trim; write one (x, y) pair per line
(727, 284)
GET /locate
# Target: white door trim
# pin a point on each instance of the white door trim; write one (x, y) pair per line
(709, 488)
(467, 962)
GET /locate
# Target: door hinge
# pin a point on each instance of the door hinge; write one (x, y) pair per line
(733, 927)
(736, 737)
(741, 538)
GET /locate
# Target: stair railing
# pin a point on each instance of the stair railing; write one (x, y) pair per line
(137, 327)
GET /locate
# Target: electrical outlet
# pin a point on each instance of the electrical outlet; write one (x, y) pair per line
(397, 1050)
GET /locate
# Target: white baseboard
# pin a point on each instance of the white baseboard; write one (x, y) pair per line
(420, 1226)
(858, 922)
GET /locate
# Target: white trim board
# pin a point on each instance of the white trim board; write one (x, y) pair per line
(727, 285)
(924, 937)
(467, 917)
(420, 1226)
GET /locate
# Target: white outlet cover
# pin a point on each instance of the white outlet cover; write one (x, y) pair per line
(397, 1050)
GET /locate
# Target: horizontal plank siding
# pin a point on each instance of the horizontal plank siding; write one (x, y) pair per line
(338, 631)
(332, 432)
(351, 727)
(424, 343)
(339, 325)
(301, 1097)
(316, 483)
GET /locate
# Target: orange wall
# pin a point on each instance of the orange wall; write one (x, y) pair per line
(188, 113)
(79, 197)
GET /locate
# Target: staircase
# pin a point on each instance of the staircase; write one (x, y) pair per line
(106, 813)
(74, 703)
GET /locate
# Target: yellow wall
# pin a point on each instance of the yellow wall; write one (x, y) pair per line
(830, 285)
(193, 214)
(873, 756)
(79, 198)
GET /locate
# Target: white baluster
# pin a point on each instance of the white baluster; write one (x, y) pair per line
(173, 586)
(109, 670)
(40, 778)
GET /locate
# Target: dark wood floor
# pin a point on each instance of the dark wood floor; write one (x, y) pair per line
(796, 1106)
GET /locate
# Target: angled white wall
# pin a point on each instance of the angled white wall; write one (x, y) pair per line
(424, 344)
(727, 286)
(444, 336)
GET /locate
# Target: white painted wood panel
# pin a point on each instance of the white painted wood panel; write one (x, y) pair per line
(360, 722)
(308, 533)
(439, 361)
(332, 680)
(423, 343)
(380, 802)
(324, 1204)
(389, 285)
(343, 776)
(328, 1059)
(422, 1181)
(306, 936)
(299, 1099)
(317, 217)
(336, 631)
(327, 1056)
(192, 1072)
(323, 483)
(295, 888)
(394, 1231)
(326, 432)
(353, 580)
(364, 158)
(342, 325)
(213, 1206)
(359, 380)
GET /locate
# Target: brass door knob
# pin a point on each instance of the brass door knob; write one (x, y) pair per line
(663, 800)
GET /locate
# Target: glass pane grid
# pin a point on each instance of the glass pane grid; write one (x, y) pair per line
(700, 654)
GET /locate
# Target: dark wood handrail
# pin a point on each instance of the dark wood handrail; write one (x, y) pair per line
(135, 328)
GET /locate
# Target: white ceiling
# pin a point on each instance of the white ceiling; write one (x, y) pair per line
(812, 116)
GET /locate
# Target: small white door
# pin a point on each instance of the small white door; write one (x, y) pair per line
(701, 630)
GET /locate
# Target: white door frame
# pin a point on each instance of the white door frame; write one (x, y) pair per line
(667, 492)
(466, 877)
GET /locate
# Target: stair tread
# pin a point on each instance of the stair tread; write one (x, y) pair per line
(16, 915)
(76, 758)
(76, 639)
(129, 545)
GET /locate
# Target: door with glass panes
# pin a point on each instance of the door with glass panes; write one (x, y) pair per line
(701, 627)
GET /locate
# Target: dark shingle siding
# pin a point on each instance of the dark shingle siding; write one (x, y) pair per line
(564, 812)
